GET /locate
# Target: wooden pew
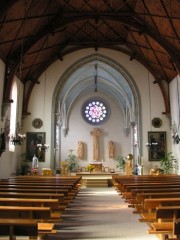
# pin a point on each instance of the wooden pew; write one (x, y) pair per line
(131, 196)
(140, 198)
(20, 227)
(41, 188)
(35, 202)
(59, 196)
(42, 213)
(149, 209)
(135, 190)
(24, 227)
(163, 227)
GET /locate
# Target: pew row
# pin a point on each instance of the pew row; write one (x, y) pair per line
(25, 227)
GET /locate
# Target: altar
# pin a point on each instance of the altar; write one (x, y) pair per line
(97, 166)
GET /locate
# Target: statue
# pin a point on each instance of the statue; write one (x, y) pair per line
(80, 150)
(96, 134)
(111, 149)
(35, 162)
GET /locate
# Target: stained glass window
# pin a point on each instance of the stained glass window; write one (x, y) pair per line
(95, 111)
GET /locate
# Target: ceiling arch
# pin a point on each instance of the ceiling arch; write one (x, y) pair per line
(94, 74)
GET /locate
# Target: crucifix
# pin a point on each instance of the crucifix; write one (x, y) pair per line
(96, 133)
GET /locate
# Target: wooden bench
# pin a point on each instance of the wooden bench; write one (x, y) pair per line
(136, 189)
(33, 202)
(149, 209)
(140, 198)
(39, 213)
(24, 227)
(166, 226)
(20, 227)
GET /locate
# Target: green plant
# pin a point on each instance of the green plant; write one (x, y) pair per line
(168, 164)
(89, 168)
(23, 167)
(120, 163)
(71, 162)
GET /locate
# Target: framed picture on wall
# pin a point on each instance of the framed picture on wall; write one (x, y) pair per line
(158, 145)
(34, 138)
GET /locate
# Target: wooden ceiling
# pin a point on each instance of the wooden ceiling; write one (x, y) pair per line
(35, 33)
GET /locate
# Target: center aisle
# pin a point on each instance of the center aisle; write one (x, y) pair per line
(100, 213)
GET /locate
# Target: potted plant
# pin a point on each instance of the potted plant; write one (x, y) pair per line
(71, 162)
(120, 163)
(23, 167)
(168, 164)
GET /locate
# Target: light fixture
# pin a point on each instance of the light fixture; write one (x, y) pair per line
(17, 138)
(152, 143)
(42, 147)
(95, 78)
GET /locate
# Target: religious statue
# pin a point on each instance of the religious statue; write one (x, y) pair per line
(96, 133)
(35, 162)
(80, 150)
(111, 149)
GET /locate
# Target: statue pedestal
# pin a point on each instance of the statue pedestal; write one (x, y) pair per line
(128, 168)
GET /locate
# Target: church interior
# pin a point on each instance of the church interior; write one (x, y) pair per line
(90, 89)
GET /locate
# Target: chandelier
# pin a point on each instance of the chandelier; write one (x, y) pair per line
(17, 137)
(42, 147)
(152, 142)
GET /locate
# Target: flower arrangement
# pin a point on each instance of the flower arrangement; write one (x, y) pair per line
(89, 168)
(34, 171)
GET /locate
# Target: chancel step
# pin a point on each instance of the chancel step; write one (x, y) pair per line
(96, 183)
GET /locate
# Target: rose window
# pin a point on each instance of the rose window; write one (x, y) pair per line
(95, 111)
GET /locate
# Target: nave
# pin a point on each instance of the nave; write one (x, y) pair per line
(100, 213)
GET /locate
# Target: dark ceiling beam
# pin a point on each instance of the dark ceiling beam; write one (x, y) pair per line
(171, 50)
(143, 31)
(155, 15)
(152, 19)
(145, 47)
(119, 34)
(37, 55)
(5, 6)
(145, 60)
(13, 20)
(17, 39)
(169, 18)
(59, 22)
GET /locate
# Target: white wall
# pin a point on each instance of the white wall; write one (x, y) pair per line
(40, 106)
(174, 90)
(8, 160)
(112, 130)
(135, 69)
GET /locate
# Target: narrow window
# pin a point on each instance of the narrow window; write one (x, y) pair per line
(13, 115)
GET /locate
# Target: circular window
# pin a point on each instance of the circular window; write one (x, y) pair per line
(95, 111)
